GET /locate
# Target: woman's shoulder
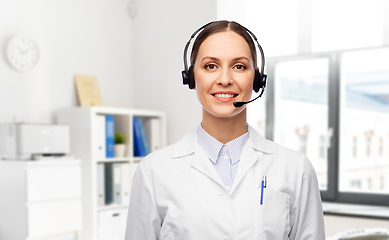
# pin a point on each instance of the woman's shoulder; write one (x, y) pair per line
(277, 151)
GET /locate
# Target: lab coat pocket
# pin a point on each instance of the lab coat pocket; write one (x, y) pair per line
(273, 216)
(170, 237)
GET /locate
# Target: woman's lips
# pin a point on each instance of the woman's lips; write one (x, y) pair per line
(225, 96)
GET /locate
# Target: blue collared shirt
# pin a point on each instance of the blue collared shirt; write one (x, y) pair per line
(224, 157)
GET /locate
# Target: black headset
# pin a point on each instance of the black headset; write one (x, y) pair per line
(259, 78)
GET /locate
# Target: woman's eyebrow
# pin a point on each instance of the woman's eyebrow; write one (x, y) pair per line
(217, 59)
(241, 58)
(211, 58)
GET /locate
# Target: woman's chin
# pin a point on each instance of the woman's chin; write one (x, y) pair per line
(225, 112)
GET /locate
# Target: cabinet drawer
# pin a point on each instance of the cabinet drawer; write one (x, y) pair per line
(112, 224)
(53, 182)
(49, 218)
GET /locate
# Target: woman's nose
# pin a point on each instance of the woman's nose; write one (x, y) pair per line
(225, 78)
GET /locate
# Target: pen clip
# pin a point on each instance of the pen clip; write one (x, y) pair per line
(264, 180)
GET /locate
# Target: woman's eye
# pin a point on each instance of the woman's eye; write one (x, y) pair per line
(210, 66)
(240, 67)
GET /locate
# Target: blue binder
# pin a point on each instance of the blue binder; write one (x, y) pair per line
(109, 135)
(146, 147)
(138, 143)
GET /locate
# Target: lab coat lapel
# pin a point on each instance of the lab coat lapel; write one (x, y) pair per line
(201, 163)
(247, 160)
(256, 146)
(187, 147)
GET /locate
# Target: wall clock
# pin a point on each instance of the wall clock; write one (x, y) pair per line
(22, 53)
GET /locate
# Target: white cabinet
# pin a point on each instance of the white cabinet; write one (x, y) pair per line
(40, 199)
(102, 220)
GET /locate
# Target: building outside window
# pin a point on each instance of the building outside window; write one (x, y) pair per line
(368, 146)
(381, 147)
(303, 144)
(354, 147)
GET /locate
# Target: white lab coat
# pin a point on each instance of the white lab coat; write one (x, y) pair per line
(178, 195)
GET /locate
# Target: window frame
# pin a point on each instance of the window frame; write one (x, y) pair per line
(332, 193)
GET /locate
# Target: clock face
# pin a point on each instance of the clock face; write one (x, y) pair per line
(22, 53)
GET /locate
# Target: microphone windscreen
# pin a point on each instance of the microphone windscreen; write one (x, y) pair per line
(239, 104)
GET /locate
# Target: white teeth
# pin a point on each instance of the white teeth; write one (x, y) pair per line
(224, 95)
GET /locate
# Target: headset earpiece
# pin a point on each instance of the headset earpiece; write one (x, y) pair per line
(185, 77)
(259, 80)
(191, 82)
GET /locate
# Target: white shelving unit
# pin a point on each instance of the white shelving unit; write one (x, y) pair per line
(108, 221)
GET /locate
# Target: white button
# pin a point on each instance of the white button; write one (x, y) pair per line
(225, 157)
(225, 148)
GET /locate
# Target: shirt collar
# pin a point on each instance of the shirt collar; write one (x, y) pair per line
(212, 147)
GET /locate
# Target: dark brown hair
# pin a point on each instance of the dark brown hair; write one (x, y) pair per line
(222, 26)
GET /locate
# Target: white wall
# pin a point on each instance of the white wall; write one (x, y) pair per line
(74, 37)
(160, 32)
(137, 61)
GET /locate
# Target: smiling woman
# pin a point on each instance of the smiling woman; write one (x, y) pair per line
(222, 77)
(223, 180)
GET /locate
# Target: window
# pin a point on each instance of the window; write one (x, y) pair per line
(303, 144)
(326, 90)
(335, 98)
(381, 147)
(356, 184)
(363, 20)
(368, 145)
(354, 147)
(364, 111)
(301, 108)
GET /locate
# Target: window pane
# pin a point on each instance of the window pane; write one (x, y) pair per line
(346, 24)
(301, 110)
(274, 23)
(364, 127)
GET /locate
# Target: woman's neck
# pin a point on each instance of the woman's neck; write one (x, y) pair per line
(224, 129)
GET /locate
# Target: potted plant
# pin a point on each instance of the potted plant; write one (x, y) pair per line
(120, 146)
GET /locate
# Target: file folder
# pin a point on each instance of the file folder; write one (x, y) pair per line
(110, 132)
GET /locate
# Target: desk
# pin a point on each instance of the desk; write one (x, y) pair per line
(340, 217)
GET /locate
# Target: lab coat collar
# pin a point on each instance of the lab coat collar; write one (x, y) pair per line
(259, 143)
(187, 145)
(255, 144)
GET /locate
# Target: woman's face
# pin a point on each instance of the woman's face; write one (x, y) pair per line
(224, 73)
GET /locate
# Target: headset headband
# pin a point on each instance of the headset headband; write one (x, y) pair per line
(201, 28)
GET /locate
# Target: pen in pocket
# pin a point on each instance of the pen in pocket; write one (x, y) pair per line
(264, 182)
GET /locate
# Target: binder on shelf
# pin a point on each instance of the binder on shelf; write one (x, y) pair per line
(153, 125)
(108, 183)
(138, 142)
(100, 137)
(145, 142)
(126, 182)
(117, 183)
(110, 134)
(100, 185)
